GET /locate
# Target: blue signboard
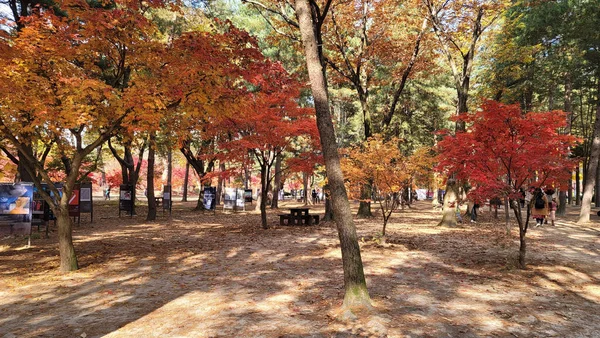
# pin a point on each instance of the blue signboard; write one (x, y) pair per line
(16, 208)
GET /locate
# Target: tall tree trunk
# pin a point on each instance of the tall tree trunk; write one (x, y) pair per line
(567, 194)
(220, 183)
(264, 183)
(150, 179)
(305, 198)
(597, 188)
(277, 183)
(170, 167)
(356, 294)
(590, 178)
(578, 185)
(186, 180)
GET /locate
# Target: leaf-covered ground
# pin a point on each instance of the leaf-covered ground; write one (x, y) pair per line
(209, 275)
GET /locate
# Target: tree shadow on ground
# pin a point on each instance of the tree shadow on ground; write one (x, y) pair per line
(222, 275)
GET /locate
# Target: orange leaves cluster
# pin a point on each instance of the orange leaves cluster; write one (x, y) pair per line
(379, 162)
(506, 149)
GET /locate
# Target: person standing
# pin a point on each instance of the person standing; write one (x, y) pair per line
(539, 207)
(474, 212)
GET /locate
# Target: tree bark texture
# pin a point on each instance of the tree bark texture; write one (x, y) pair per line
(450, 198)
(264, 183)
(578, 185)
(277, 183)
(590, 178)
(356, 294)
(186, 180)
(68, 258)
(150, 179)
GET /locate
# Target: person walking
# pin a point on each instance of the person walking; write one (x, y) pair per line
(539, 207)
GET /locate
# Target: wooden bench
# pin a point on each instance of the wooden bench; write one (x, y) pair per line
(283, 218)
(298, 220)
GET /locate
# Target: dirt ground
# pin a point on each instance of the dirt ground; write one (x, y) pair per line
(221, 275)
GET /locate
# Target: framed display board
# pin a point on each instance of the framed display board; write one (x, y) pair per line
(16, 208)
(126, 199)
(210, 198)
(167, 198)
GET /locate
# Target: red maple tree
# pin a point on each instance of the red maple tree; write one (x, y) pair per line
(506, 149)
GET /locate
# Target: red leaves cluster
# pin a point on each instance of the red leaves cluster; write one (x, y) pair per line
(506, 149)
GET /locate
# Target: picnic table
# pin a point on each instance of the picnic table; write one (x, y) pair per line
(298, 216)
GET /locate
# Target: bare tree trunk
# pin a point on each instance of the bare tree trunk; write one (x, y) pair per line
(150, 179)
(68, 258)
(264, 183)
(590, 178)
(277, 183)
(170, 167)
(450, 198)
(597, 188)
(364, 207)
(356, 294)
(186, 180)
(506, 214)
(578, 185)
(220, 184)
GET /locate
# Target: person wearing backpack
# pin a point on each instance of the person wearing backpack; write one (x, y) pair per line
(539, 207)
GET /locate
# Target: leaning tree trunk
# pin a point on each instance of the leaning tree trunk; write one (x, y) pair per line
(24, 175)
(356, 294)
(590, 178)
(150, 179)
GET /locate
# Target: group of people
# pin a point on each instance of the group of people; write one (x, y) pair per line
(542, 205)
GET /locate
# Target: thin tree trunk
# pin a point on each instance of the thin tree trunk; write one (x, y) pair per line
(356, 294)
(578, 185)
(277, 183)
(328, 209)
(170, 167)
(264, 183)
(506, 214)
(150, 179)
(220, 184)
(186, 180)
(590, 178)
(563, 194)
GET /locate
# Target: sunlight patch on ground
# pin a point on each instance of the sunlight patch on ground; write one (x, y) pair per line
(215, 313)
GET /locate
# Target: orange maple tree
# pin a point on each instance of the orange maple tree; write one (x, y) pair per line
(74, 94)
